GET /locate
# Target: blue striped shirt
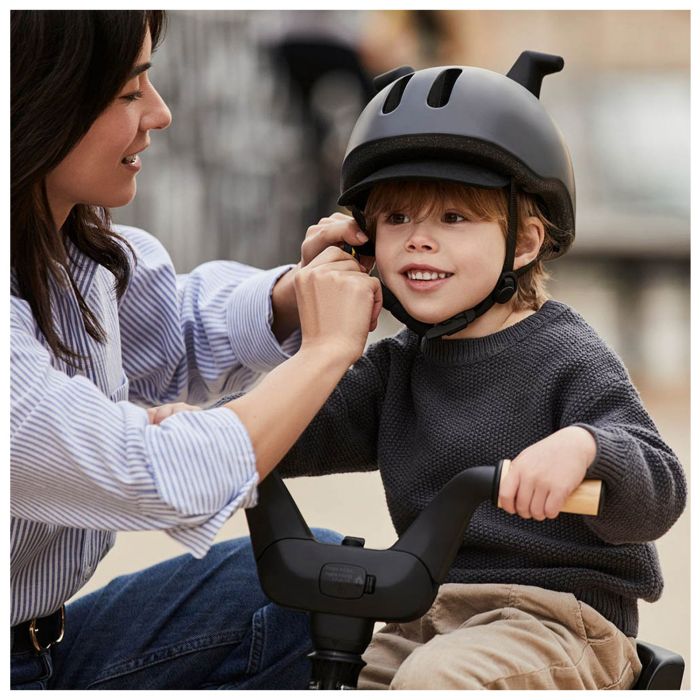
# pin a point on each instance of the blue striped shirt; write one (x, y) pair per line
(84, 460)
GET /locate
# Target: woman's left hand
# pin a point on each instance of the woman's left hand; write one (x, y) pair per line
(335, 229)
(157, 414)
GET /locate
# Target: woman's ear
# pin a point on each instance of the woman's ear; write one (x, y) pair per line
(530, 239)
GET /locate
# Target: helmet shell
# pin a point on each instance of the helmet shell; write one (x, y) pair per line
(487, 120)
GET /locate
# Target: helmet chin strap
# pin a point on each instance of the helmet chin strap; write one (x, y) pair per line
(505, 288)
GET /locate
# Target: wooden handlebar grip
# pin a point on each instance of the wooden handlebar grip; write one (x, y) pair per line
(587, 499)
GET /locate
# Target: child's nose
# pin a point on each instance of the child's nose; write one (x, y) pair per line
(419, 240)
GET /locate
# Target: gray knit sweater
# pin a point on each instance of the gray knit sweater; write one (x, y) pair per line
(422, 411)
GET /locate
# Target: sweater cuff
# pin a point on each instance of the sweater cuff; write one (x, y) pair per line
(610, 463)
(249, 320)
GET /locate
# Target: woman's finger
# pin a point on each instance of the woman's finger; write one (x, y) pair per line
(157, 414)
(377, 308)
(333, 254)
(331, 234)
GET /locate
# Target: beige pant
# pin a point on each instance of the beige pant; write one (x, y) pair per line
(501, 636)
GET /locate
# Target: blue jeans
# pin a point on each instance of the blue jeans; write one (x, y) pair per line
(185, 623)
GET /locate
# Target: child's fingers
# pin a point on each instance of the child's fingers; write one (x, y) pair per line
(508, 490)
(539, 498)
(554, 503)
(523, 498)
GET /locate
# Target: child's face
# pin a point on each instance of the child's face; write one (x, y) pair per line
(462, 257)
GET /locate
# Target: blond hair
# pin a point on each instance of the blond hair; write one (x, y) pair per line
(424, 198)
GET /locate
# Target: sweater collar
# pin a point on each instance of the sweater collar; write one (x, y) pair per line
(467, 350)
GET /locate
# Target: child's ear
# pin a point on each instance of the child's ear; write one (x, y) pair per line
(530, 239)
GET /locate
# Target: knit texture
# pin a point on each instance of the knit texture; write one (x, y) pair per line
(422, 411)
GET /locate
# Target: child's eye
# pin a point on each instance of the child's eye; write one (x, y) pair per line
(133, 96)
(453, 217)
(396, 218)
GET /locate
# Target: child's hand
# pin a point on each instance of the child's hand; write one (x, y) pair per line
(158, 414)
(543, 475)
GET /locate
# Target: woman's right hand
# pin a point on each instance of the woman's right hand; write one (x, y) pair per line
(338, 303)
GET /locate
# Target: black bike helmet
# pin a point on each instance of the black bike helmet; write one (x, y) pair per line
(472, 126)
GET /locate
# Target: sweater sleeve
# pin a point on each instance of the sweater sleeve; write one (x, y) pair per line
(343, 435)
(645, 485)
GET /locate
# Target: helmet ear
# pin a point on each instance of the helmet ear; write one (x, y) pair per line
(531, 67)
(381, 81)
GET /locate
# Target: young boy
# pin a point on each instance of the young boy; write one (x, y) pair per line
(464, 186)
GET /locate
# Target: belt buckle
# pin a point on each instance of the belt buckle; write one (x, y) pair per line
(33, 630)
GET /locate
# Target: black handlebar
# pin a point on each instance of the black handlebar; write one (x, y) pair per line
(346, 587)
(399, 583)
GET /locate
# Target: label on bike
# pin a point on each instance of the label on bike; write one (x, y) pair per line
(342, 580)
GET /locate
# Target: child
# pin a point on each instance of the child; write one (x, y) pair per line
(452, 172)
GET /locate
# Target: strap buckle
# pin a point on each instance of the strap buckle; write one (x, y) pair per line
(34, 631)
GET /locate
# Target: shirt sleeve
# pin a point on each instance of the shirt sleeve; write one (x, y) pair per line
(197, 336)
(80, 460)
(645, 485)
(343, 435)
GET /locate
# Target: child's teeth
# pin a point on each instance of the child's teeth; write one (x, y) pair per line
(425, 275)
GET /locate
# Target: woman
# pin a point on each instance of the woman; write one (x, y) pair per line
(101, 330)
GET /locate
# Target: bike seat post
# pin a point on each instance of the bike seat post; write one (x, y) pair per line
(339, 642)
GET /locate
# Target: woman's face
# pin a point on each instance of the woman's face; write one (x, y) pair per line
(101, 168)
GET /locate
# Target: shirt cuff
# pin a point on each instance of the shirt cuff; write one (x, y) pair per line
(249, 321)
(205, 465)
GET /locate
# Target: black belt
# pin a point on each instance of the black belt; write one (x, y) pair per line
(39, 633)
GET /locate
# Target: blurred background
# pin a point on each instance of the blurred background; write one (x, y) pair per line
(263, 104)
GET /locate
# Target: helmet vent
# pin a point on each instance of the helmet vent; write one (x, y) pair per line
(395, 94)
(441, 90)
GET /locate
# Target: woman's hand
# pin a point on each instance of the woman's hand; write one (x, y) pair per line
(338, 303)
(545, 474)
(338, 306)
(333, 230)
(157, 414)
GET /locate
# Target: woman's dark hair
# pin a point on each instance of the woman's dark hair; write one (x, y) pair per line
(66, 67)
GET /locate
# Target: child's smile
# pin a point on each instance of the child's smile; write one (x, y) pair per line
(425, 278)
